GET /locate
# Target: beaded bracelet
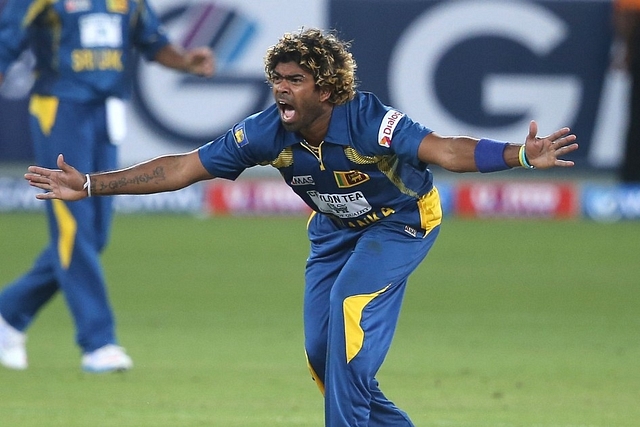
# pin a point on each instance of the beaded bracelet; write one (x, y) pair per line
(522, 157)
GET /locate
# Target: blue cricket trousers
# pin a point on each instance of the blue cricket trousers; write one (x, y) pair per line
(355, 283)
(78, 230)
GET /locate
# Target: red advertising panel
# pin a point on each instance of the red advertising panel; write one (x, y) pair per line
(521, 199)
(253, 197)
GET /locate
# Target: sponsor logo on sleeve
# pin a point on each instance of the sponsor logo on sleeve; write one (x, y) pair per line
(240, 136)
(388, 125)
(118, 6)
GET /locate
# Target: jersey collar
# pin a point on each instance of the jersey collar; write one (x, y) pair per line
(338, 132)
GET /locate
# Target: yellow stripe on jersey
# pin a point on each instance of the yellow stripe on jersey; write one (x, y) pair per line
(360, 159)
(315, 376)
(430, 210)
(35, 9)
(387, 166)
(352, 308)
(284, 159)
(67, 227)
(44, 108)
(311, 215)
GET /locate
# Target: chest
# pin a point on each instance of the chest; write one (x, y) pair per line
(89, 23)
(331, 167)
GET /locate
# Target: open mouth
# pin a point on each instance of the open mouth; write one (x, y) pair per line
(287, 112)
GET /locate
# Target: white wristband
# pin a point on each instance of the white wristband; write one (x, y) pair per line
(87, 185)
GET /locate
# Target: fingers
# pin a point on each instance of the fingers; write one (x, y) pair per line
(42, 183)
(560, 137)
(560, 134)
(564, 163)
(40, 178)
(37, 178)
(37, 170)
(64, 166)
(565, 147)
(45, 196)
(566, 141)
(533, 129)
(61, 163)
(562, 147)
(64, 183)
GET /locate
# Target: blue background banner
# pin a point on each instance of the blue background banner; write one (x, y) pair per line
(483, 67)
(478, 67)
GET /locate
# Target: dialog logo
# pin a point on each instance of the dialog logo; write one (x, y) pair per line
(388, 125)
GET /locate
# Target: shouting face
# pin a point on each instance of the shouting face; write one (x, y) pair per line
(303, 106)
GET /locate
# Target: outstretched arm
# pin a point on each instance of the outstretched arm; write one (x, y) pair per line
(458, 153)
(164, 173)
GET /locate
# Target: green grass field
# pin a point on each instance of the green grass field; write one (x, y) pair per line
(506, 324)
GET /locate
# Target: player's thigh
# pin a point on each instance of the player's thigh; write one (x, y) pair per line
(320, 275)
(384, 255)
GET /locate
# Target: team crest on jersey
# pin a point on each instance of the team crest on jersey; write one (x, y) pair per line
(239, 135)
(388, 125)
(302, 180)
(72, 6)
(350, 178)
(118, 6)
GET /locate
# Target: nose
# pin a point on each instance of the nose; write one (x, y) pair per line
(281, 86)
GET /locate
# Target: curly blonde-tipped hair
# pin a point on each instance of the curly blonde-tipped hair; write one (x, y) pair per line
(325, 56)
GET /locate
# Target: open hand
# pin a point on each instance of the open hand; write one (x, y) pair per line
(545, 152)
(65, 183)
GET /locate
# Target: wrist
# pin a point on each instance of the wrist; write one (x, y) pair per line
(87, 184)
(489, 155)
(522, 158)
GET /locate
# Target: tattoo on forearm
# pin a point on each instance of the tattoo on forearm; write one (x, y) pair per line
(157, 175)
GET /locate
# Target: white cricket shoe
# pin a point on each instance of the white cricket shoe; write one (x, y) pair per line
(13, 352)
(108, 358)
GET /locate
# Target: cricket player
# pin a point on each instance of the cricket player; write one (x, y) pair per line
(362, 167)
(84, 54)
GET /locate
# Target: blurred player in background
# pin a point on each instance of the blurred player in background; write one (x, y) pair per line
(626, 20)
(84, 51)
(362, 167)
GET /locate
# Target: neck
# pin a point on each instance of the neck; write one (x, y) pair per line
(315, 133)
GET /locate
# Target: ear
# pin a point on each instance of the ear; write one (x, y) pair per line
(325, 94)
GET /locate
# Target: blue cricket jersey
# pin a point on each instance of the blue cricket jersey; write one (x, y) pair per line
(83, 48)
(366, 169)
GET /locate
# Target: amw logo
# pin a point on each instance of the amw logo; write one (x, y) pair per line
(193, 110)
